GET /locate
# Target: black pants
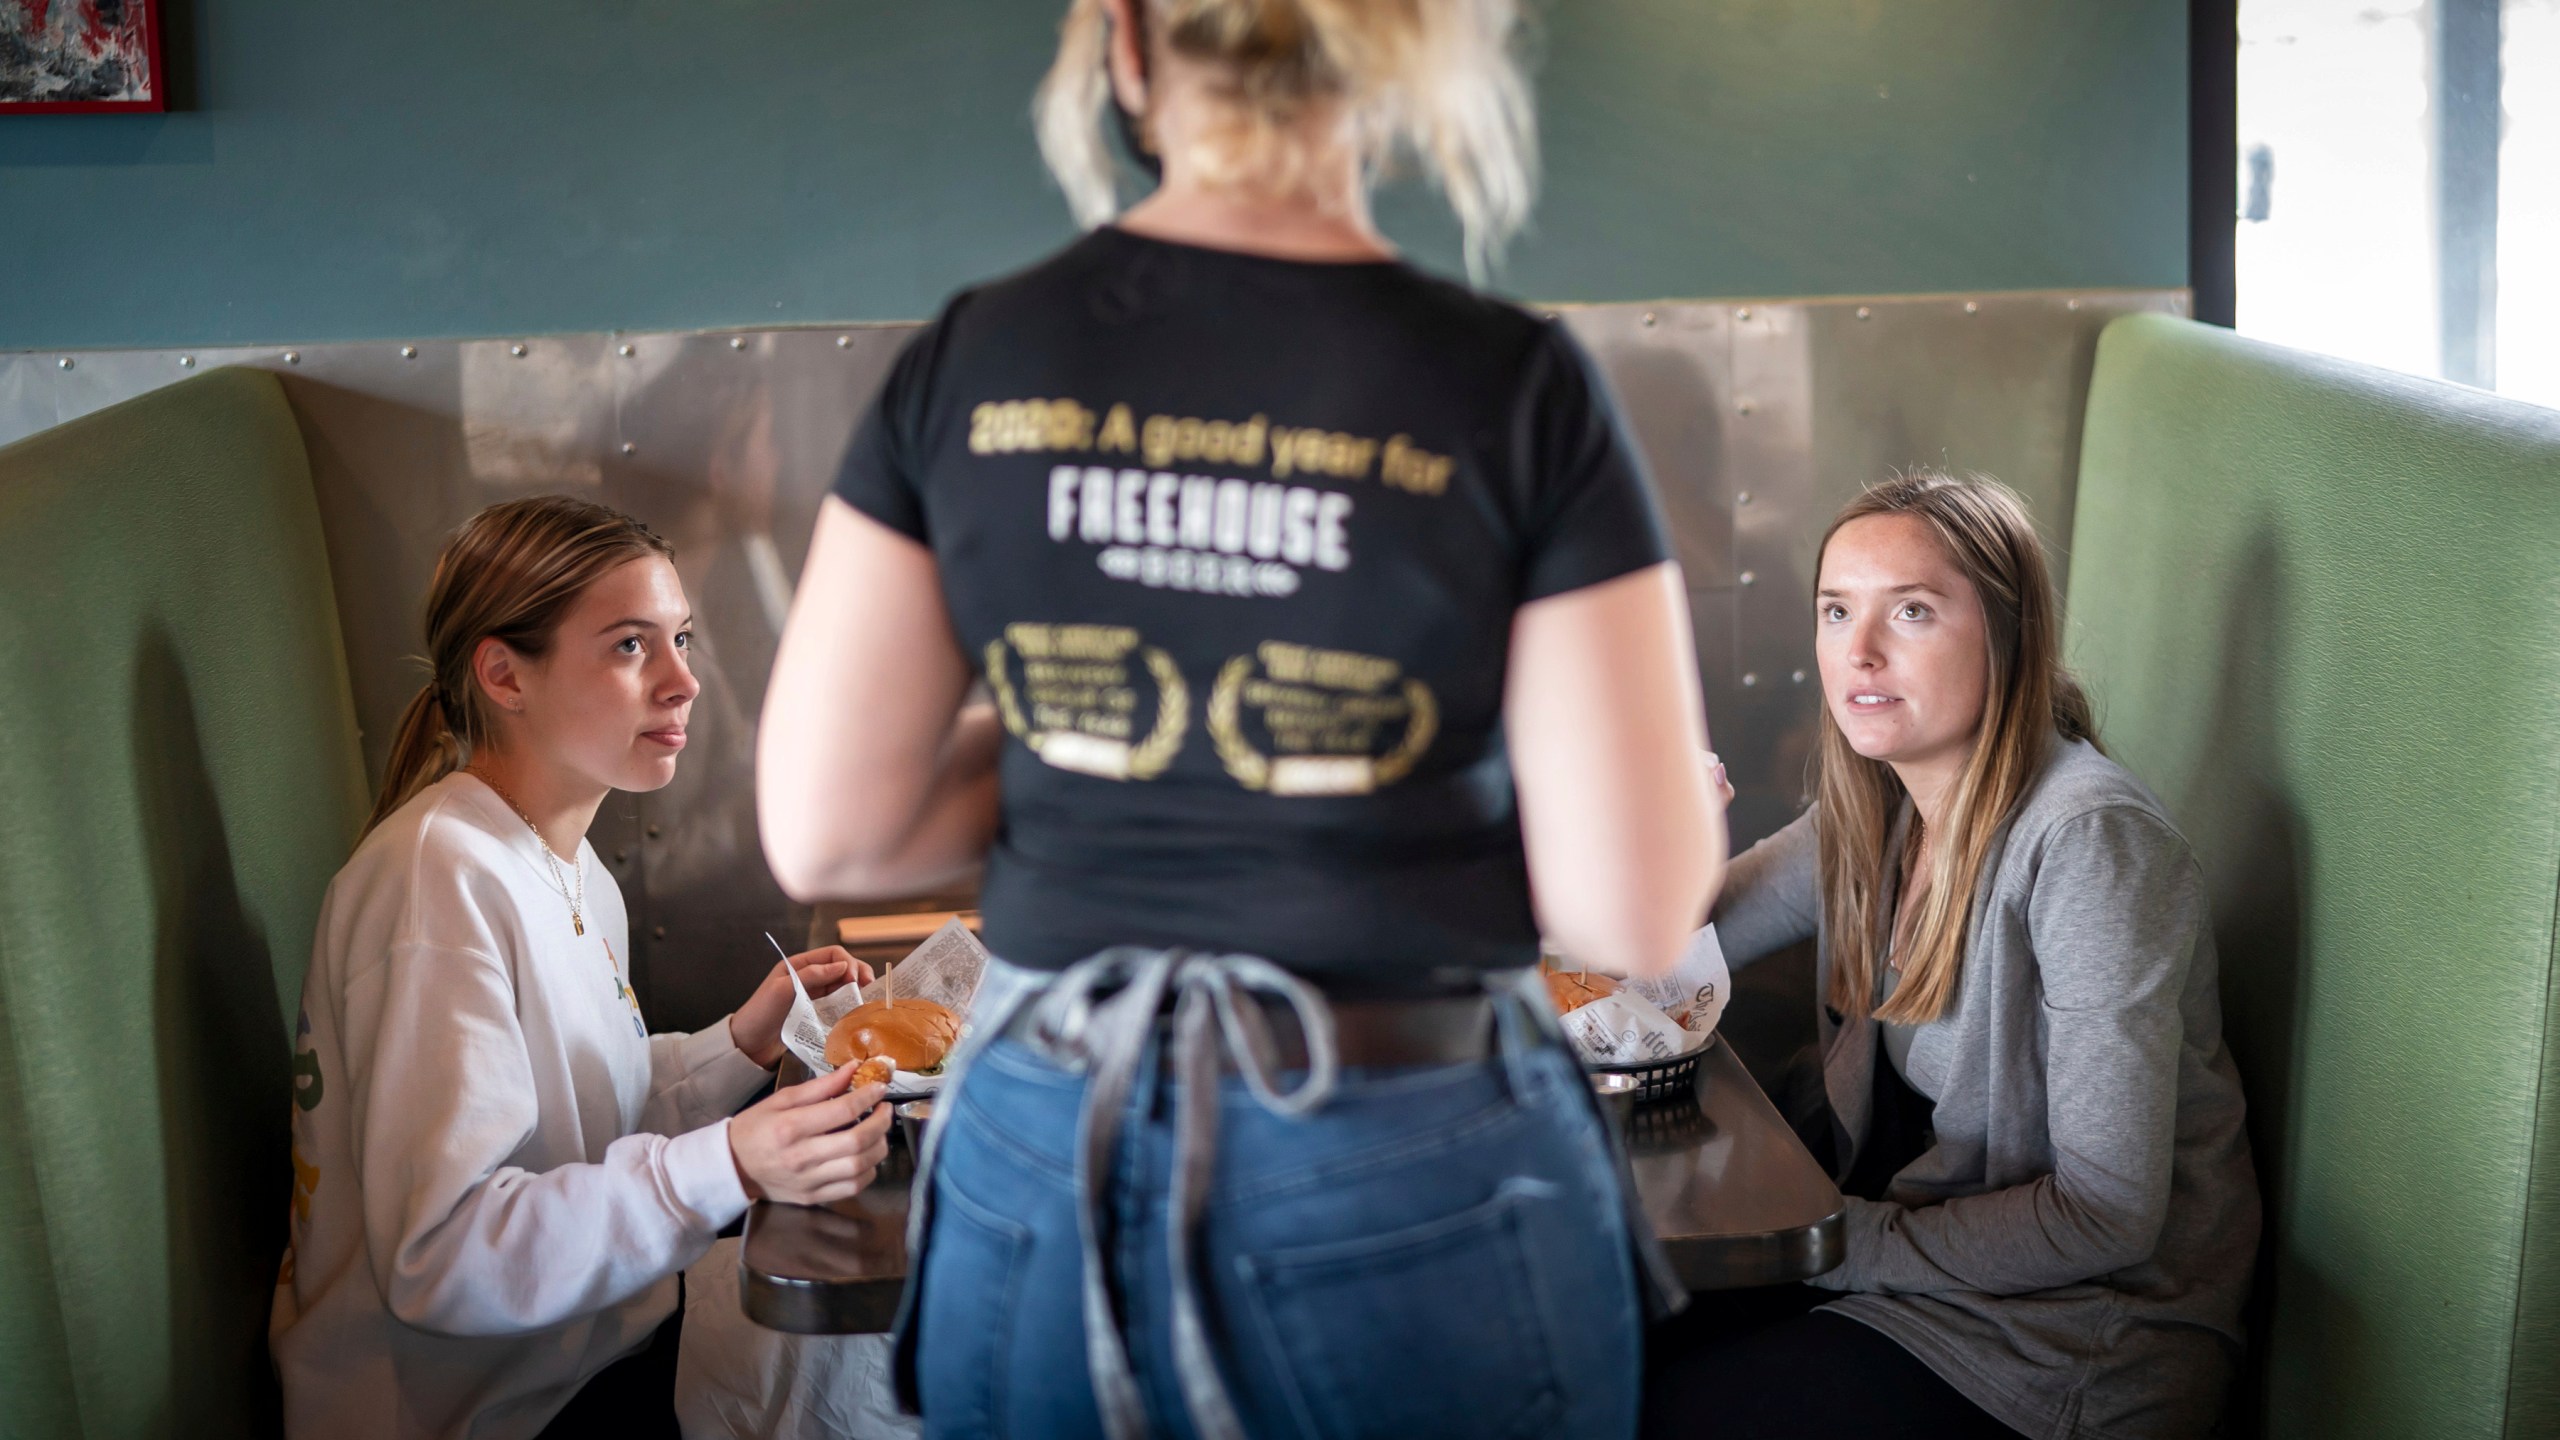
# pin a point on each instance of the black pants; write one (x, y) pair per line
(1765, 1363)
(634, 1398)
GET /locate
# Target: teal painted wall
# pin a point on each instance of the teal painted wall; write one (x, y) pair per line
(473, 167)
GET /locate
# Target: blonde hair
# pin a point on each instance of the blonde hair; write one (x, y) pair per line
(1437, 78)
(510, 573)
(2031, 698)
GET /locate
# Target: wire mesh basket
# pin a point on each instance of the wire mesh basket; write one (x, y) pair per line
(1658, 1081)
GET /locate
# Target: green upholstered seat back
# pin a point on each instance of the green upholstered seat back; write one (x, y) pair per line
(179, 779)
(2319, 605)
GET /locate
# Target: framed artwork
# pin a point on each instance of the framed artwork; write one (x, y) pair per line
(61, 56)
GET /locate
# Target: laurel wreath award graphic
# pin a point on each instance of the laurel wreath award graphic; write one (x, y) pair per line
(1252, 769)
(1147, 757)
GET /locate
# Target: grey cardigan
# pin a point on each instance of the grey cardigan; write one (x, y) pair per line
(2073, 1251)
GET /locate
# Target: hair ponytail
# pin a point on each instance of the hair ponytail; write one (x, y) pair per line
(1436, 80)
(423, 751)
(508, 574)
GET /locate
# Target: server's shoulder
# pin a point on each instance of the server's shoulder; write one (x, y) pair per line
(1460, 321)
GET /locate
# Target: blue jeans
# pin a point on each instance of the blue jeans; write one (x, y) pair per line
(1436, 1251)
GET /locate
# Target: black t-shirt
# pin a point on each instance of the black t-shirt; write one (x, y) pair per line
(1236, 543)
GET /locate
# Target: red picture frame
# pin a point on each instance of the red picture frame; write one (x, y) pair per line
(75, 57)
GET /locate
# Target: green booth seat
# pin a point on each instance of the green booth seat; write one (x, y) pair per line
(179, 778)
(2319, 605)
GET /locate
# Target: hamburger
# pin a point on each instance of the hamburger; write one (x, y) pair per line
(913, 1035)
(1569, 989)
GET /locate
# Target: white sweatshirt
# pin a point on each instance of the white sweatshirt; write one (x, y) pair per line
(486, 1208)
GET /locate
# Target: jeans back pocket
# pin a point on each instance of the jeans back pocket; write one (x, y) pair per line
(1435, 1329)
(971, 1281)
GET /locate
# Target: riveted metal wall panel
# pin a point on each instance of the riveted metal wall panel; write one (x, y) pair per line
(1757, 420)
(1670, 368)
(727, 443)
(26, 396)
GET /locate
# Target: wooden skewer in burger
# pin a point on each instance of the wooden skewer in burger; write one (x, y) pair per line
(912, 1035)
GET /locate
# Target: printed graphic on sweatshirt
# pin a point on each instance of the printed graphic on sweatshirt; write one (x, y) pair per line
(1152, 519)
(306, 1176)
(1094, 699)
(1295, 720)
(306, 1068)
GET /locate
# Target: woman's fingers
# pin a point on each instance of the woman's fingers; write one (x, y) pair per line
(824, 970)
(833, 1166)
(834, 1113)
(812, 1092)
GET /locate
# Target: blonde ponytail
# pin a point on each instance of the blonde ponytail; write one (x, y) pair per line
(1433, 79)
(508, 574)
(423, 751)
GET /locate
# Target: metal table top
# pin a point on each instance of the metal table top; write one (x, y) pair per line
(1734, 1195)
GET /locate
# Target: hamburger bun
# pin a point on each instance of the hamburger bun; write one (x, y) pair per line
(911, 1034)
(1572, 989)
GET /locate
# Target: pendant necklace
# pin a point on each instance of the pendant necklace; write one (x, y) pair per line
(577, 901)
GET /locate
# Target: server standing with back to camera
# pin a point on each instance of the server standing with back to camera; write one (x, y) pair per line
(1323, 606)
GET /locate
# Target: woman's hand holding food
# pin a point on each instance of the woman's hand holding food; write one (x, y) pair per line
(756, 1028)
(811, 1143)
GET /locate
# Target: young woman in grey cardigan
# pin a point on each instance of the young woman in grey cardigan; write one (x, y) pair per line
(2009, 926)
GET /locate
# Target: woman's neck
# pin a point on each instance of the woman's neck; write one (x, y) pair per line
(1301, 225)
(1929, 783)
(559, 806)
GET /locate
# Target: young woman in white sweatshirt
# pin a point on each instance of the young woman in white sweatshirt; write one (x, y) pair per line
(499, 1172)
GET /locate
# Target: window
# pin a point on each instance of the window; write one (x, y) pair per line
(2399, 179)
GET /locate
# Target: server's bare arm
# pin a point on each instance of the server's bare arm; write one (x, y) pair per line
(1625, 838)
(871, 780)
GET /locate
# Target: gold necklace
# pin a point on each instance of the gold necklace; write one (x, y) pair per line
(577, 902)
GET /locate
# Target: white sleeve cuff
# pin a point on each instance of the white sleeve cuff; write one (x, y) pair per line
(717, 1069)
(704, 1176)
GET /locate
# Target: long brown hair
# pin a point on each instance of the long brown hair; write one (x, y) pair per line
(2031, 698)
(508, 574)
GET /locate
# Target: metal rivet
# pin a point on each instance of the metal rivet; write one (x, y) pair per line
(186, 362)
(1742, 499)
(659, 931)
(1797, 677)
(1750, 577)
(622, 857)
(408, 352)
(516, 350)
(293, 357)
(1972, 309)
(737, 342)
(653, 832)
(1648, 320)
(1746, 407)
(1742, 314)
(64, 362)
(629, 351)
(1865, 314)
(630, 449)
(1749, 679)
(844, 342)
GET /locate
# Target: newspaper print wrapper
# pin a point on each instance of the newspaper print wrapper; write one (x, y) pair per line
(944, 969)
(1659, 1019)
(1695, 991)
(1627, 1029)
